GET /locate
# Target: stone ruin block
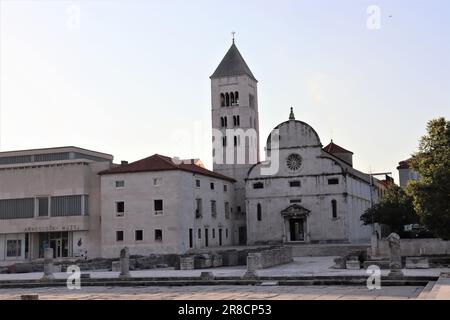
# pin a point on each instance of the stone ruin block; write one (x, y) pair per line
(187, 263)
(115, 266)
(417, 263)
(353, 265)
(216, 260)
(202, 261)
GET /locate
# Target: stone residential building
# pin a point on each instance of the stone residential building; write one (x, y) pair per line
(162, 205)
(50, 198)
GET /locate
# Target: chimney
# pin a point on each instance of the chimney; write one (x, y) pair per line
(123, 162)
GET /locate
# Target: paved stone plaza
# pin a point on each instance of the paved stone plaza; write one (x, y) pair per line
(218, 293)
(301, 266)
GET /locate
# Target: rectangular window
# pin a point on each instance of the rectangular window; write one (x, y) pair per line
(258, 185)
(227, 210)
(157, 181)
(14, 248)
(120, 208)
(225, 188)
(198, 208)
(211, 185)
(17, 208)
(295, 201)
(333, 181)
(294, 184)
(226, 233)
(191, 238)
(63, 206)
(120, 184)
(197, 183)
(199, 231)
(158, 235)
(334, 208)
(213, 208)
(214, 233)
(139, 235)
(239, 209)
(42, 204)
(119, 236)
(158, 205)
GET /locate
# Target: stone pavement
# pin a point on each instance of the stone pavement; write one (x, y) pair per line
(301, 266)
(218, 293)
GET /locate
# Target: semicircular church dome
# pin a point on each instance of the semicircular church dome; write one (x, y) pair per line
(293, 134)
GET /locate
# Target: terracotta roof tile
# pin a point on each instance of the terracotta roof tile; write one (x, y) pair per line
(158, 162)
(334, 148)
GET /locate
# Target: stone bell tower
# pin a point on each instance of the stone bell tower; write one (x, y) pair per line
(235, 123)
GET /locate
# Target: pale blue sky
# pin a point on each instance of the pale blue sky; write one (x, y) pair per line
(133, 79)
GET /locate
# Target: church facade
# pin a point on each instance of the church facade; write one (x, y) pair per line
(302, 192)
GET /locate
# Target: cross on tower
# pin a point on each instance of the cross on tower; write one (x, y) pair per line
(232, 34)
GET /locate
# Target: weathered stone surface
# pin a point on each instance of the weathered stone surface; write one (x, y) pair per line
(187, 263)
(124, 263)
(382, 264)
(216, 260)
(339, 263)
(20, 268)
(207, 276)
(202, 261)
(417, 263)
(353, 265)
(395, 255)
(48, 264)
(115, 266)
(268, 258)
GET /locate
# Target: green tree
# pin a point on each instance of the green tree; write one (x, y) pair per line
(431, 193)
(395, 210)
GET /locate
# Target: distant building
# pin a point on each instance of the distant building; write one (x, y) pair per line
(406, 173)
(157, 205)
(50, 198)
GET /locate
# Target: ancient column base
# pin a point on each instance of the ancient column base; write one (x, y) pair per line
(396, 273)
(250, 275)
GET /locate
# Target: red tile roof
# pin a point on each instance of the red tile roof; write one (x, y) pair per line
(404, 164)
(334, 148)
(158, 162)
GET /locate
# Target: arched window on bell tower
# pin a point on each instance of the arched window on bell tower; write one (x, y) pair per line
(234, 121)
(238, 121)
(232, 98)
(222, 100)
(222, 122)
(236, 98)
(227, 99)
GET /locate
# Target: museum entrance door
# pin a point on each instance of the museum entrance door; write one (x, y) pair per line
(58, 241)
(297, 229)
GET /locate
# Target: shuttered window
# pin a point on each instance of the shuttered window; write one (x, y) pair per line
(17, 208)
(66, 206)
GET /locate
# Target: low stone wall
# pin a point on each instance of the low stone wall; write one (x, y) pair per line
(321, 250)
(136, 263)
(269, 258)
(417, 247)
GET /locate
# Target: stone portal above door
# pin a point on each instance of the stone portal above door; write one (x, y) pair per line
(295, 211)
